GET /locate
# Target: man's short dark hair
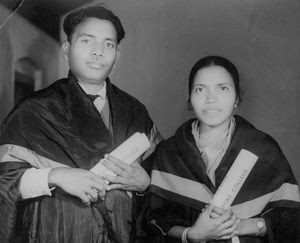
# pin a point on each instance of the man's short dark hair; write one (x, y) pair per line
(99, 12)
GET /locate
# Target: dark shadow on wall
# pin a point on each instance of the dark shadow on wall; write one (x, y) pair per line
(6, 96)
(26, 77)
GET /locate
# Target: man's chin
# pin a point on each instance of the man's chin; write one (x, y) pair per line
(92, 79)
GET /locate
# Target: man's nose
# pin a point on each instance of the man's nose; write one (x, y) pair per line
(97, 51)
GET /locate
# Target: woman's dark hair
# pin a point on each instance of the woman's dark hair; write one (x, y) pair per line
(99, 12)
(216, 61)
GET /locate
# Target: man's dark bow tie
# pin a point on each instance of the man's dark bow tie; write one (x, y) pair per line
(93, 97)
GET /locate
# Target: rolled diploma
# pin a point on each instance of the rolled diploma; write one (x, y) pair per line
(233, 181)
(127, 152)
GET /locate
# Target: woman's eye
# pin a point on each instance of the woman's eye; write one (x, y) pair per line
(198, 89)
(224, 88)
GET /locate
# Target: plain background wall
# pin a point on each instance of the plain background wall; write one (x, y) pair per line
(19, 39)
(164, 38)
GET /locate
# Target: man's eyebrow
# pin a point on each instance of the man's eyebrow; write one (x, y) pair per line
(94, 37)
(111, 39)
(85, 34)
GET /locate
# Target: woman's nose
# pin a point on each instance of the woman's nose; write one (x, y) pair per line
(211, 97)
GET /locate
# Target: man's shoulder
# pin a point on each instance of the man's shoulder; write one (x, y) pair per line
(126, 98)
(43, 97)
(55, 89)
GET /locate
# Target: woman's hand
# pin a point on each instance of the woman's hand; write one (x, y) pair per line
(78, 182)
(214, 223)
(249, 227)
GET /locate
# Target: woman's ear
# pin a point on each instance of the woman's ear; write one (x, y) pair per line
(237, 102)
(65, 48)
(190, 107)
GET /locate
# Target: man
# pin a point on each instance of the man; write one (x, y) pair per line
(50, 141)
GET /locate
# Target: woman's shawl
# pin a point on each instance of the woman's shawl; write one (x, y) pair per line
(60, 126)
(180, 188)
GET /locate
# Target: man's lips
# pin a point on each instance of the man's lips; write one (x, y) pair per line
(95, 65)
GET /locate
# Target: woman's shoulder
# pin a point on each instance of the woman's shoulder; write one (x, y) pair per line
(248, 133)
(181, 135)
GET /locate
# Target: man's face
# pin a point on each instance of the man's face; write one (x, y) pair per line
(92, 51)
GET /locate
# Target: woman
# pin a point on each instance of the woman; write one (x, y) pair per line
(189, 167)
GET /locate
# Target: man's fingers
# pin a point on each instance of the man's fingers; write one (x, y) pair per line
(93, 194)
(97, 179)
(102, 194)
(113, 167)
(98, 186)
(98, 182)
(85, 199)
(114, 186)
(115, 161)
(111, 179)
(116, 179)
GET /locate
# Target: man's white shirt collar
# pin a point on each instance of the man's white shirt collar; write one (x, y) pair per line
(101, 92)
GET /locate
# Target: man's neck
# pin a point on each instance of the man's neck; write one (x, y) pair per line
(91, 88)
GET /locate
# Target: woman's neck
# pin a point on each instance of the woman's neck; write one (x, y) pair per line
(213, 132)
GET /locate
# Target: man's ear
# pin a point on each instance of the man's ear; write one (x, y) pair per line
(117, 57)
(65, 48)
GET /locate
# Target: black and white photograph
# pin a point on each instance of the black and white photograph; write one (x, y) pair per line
(149, 121)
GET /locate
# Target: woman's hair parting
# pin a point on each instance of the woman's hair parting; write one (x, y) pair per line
(216, 61)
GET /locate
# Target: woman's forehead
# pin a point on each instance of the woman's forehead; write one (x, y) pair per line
(213, 74)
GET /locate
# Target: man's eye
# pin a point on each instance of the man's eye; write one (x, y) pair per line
(85, 41)
(109, 45)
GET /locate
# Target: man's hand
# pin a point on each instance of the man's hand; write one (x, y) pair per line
(129, 177)
(78, 182)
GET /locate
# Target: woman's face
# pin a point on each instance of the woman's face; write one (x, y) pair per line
(213, 96)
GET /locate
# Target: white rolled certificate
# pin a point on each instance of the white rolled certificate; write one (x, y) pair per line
(234, 179)
(127, 152)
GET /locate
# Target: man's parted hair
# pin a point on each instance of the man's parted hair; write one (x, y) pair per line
(77, 17)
